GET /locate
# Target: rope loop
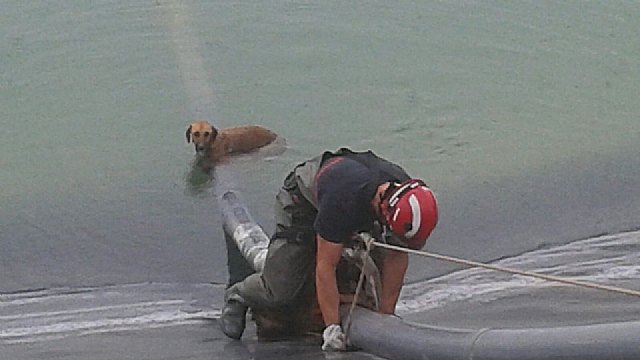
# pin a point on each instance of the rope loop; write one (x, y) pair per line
(368, 241)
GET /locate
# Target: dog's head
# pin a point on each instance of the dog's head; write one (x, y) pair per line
(202, 134)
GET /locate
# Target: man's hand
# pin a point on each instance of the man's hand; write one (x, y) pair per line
(334, 338)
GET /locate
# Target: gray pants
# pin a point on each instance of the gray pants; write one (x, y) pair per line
(290, 263)
(289, 266)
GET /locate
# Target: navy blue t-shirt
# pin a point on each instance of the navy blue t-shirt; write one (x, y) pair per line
(344, 191)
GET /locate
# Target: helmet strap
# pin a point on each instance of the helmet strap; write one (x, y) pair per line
(383, 205)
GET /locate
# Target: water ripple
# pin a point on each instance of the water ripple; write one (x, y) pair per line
(582, 260)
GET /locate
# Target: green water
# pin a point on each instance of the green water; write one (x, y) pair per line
(95, 98)
(92, 95)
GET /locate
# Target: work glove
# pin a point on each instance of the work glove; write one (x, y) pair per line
(334, 338)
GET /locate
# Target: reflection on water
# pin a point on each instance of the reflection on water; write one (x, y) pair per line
(610, 259)
(52, 314)
(198, 180)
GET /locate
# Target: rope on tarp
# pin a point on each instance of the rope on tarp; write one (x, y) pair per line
(367, 238)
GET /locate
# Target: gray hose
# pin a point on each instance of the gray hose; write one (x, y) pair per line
(238, 224)
(393, 338)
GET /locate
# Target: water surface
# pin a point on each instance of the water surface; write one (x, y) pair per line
(521, 115)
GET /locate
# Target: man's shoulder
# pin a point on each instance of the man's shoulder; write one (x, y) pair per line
(344, 172)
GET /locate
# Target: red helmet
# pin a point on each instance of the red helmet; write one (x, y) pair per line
(410, 210)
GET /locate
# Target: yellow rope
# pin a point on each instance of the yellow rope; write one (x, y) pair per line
(580, 283)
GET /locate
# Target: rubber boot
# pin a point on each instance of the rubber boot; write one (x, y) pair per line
(233, 317)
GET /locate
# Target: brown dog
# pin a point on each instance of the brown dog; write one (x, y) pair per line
(218, 144)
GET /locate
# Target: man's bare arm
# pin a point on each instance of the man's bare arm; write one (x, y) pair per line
(328, 256)
(393, 271)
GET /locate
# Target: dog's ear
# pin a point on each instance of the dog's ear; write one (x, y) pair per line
(188, 134)
(214, 133)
